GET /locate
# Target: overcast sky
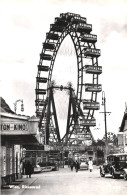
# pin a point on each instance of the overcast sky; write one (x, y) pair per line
(24, 24)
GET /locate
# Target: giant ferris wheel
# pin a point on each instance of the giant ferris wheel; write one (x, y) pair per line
(83, 102)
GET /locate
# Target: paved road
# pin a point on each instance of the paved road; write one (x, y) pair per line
(67, 182)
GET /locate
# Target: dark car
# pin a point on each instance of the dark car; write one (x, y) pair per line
(115, 165)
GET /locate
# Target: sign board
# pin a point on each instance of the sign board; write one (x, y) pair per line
(13, 127)
(83, 136)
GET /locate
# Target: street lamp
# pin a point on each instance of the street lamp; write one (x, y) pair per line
(105, 120)
(22, 105)
(104, 104)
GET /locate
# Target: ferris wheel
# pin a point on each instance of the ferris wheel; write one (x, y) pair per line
(84, 100)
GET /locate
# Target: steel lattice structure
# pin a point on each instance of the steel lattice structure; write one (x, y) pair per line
(81, 110)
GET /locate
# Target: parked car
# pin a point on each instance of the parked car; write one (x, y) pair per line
(84, 165)
(116, 166)
(37, 169)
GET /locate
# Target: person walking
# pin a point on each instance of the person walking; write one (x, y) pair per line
(72, 164)
(76, 166)
(28, 169)
(90, 163)
(21, 168)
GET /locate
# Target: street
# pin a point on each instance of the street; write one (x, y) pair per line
(67, 182)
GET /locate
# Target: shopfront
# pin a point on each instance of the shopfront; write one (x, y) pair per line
(16, 132)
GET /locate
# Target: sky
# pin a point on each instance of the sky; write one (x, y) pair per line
(24, 24)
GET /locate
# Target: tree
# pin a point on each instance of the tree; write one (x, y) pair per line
(111, 138)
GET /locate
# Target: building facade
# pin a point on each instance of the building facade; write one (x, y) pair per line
(122, 135)
(16, 132)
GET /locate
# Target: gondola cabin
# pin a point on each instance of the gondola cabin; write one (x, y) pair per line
(48, 46)
(93, 69)
(89, 87)
(40, 102)
(41, 79)
(52, 36)
(43, 68)
(56, 28)
(40, 91)
(86, 28)
(60, 22)
(78, 19)
(89, 38)
(45, 56)
(92, 52)
(91, 105)
(88, 122)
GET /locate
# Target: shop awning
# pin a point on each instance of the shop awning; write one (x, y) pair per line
(21, 139)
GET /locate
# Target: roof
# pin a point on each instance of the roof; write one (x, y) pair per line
(14, 116)
(123, 122)
(4, 107)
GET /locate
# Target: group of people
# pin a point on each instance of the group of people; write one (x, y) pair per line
(27, 168)
(77, 165)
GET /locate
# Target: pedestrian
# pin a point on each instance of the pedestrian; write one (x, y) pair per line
(72, 164)
(90, 163)
(21, 167)
(28, 169)
(24, 164)
(76, 166)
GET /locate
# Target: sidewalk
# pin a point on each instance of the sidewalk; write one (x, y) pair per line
(17, 187)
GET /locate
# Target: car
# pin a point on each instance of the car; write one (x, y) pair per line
(84, 165)
(37, 169)
(115, 165)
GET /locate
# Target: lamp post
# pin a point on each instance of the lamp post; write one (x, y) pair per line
(104, 104)
(105, 120)
(22, 105)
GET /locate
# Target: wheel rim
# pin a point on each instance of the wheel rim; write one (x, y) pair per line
(65, 25)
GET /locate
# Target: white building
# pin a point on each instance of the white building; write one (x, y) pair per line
(122, 135)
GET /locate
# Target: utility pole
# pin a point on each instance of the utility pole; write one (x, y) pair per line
(105, 120)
